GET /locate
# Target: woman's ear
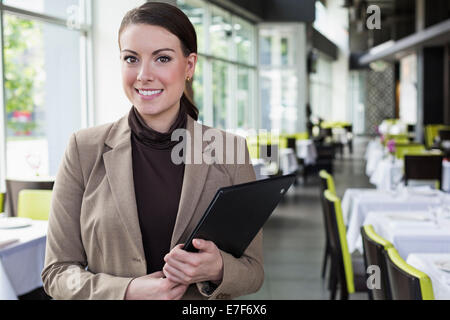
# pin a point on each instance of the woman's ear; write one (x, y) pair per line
(191, 64)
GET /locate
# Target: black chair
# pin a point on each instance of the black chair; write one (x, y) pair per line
(406, 282)
(325, 184)
(423, 167)
(444, 135)
(349, 130)
(13, 187)
(347, 272)
(374, 247)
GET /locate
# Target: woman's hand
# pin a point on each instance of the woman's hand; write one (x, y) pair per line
(187, 267)
(154, 287)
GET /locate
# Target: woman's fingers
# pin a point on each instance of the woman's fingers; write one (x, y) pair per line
(156, 275)
(175, 275)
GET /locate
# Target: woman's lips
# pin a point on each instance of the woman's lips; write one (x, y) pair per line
(151, 96)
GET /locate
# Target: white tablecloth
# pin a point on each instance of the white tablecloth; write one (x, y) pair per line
(408, 236)
(446, 176)
(440, 279)
(388, 174)
(21, 263)
(307, 151)
(288, 161)
(358, 203)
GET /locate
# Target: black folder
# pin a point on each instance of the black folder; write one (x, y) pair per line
(237, 213)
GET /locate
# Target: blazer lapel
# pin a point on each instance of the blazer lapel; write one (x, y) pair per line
(119, 170)
(193, 181)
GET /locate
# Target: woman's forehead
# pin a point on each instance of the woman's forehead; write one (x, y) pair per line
(148, 38)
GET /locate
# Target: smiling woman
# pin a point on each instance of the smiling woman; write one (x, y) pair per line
(122, 208)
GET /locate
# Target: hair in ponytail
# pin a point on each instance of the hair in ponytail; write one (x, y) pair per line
(176, 22)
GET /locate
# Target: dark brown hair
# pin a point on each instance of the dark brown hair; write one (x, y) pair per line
(176, 22)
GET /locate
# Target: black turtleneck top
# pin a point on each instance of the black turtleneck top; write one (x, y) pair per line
(157, 183)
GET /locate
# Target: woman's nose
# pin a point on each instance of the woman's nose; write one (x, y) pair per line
(145, 73)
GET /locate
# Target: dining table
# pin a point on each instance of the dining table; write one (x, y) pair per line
(358, 203)
(22, 254)
(437, 267)
(408, 231)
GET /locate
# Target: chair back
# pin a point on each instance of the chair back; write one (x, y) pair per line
(2, 202)
(423, 167)
(374, 247)
(432, 131)
(406, 282)
(34, 204)
(401, 149)
(338, 240)
(13, 187)
(444, 135)
(327, 182)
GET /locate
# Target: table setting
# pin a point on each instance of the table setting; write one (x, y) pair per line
(22, 254)
(437, 267)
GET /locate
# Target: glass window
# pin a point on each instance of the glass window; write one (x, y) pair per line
(198, 86)
(224, 82)
(244, 34)
(42, 94)
(221, 93)
(221, 33)
(57, 8)
(195, 11)
(244, 99)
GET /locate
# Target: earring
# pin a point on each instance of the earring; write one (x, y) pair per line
(188, 79)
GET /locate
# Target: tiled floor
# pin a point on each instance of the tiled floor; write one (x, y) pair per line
(294, 235)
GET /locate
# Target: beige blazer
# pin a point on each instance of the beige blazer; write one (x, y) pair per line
(94, 243)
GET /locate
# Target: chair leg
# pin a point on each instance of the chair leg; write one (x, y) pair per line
(325, 259)
(333, 281)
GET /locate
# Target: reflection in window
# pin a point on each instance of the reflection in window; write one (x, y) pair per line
(195, 11)
(221, 33)
(42, 94)
(243, 97)
(220, 94)
(198, 86)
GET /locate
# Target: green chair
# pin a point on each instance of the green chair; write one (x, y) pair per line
(326, 183)
(406, 282)
(34, 204)
(432, 131)
(328, 178)
(374, 249)
(409, 148)
(2, 202)
(347, 273)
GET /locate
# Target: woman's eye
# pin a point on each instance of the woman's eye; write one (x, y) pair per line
(130, 59)
(164, 59)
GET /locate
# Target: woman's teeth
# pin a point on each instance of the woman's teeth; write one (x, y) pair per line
(149, 93)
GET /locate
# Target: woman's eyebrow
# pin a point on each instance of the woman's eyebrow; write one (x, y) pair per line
(154, 52)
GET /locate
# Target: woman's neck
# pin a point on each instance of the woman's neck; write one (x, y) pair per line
(161, 122)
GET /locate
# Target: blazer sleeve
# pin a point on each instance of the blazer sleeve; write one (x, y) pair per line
(244, 275)
(65, 274)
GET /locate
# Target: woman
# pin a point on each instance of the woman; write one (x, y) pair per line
(122, 207)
